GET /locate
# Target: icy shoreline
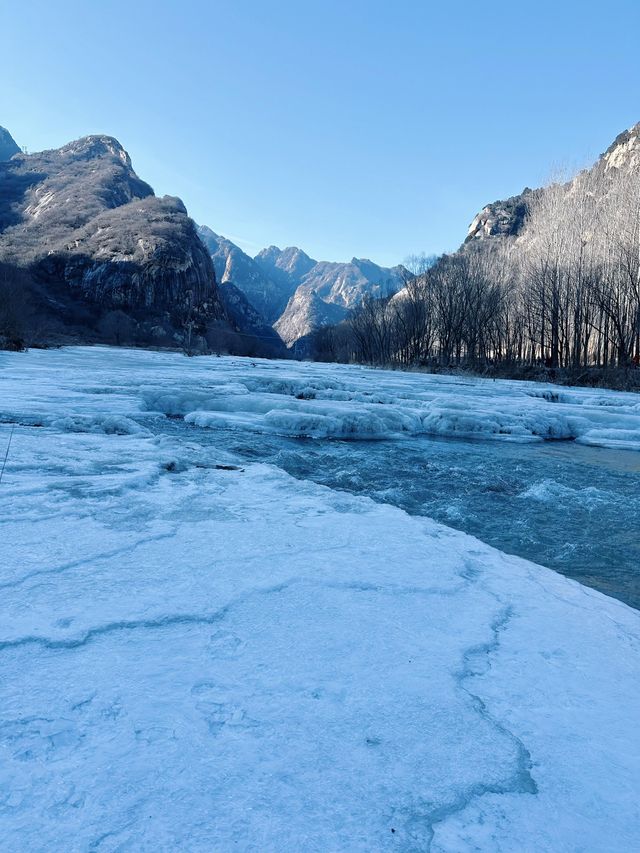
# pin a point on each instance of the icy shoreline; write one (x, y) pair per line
(201, 659)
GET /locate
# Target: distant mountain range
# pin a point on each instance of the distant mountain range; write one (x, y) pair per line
(296, 293)
(96, 241)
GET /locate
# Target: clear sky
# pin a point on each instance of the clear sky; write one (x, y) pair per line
(346, 128)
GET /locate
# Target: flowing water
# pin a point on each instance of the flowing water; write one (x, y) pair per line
(572, 508)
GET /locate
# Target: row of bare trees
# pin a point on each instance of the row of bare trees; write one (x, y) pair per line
(565, 293)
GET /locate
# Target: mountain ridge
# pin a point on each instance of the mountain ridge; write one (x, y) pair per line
(289, 288)
(95, 239)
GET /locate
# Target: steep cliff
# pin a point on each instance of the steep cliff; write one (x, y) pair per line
(267, 295)
(92, 233)
(509, 218)
(305, 313)
(257, 336)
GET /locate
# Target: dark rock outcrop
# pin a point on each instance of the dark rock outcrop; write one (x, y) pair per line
(260, 338)
(502, 218)
(92, 233)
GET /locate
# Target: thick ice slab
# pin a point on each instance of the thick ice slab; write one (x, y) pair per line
(194, 658)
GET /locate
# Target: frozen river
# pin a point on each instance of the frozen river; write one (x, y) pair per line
(550, 474)
(230, 622)
(573, 508)
(570, 505)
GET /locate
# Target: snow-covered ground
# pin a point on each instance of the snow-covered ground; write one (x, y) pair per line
(199, 658)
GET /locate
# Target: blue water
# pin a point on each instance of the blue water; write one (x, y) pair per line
(569, 507)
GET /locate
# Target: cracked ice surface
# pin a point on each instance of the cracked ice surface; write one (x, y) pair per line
(206, 660)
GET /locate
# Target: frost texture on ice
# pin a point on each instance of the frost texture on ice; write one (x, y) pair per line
(201, 659)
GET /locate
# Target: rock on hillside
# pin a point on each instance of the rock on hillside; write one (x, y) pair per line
(501, 218)
(508, 218)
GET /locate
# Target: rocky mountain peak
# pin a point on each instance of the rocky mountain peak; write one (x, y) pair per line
(306, 312)
(501, 218)
(95, 239)
(270, 254)
(507, 218)
(8, 146)
(624, 151)
(287, 266)
(91, 147)
(369, 269)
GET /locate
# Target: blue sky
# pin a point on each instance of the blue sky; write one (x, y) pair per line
(347, 128)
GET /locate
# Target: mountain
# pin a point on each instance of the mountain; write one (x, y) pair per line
(545, 281)
(502, 218)
(8, 146)
(285, 266)
(305, 313)
(295, 292)
(328, 291)
(510, 218)
(344, 284)
(259, 337)
(266, 294)
(347, 284)
(96, 239)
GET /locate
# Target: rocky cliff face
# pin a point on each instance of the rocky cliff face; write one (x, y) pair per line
(259, 338)
(305, 313)
(508, 218)
(501, 218)
(91, 231)
(267, 295)
(624, 151)
(8, 146)
(295, 292)
(285, 266)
